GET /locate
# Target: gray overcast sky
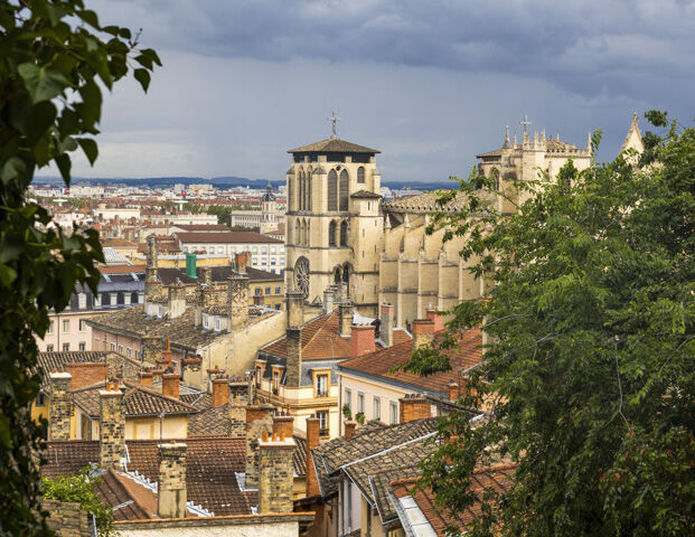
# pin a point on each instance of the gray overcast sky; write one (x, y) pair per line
(429, 82)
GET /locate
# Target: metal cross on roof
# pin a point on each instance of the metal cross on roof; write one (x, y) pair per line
(525, 123)
(334, 119)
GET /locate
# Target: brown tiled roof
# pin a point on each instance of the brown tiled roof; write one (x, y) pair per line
(331, 456)
(133, 322)
(212, 420)
(321, 340)
(130, 505)
(138, 401)
(333, 145)
(211, 464)
(118, 243)
(169, 275)
(228, 237)
(496, 477)
(299, 456)
(382, 362)
(202, 227)
(121, 269)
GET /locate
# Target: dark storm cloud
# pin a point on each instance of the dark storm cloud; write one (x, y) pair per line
(586, 46)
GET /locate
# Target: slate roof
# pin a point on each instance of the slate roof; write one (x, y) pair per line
(133, 322)
(331, 456)
(333, 145)
(211, 466)
(497, 477)
(226, 237)
(138, 401)
(380, 364)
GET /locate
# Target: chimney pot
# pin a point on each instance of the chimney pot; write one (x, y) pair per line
(362, 340)
(423, 332)
(350, 429)
(386, 326)
(414, 407)
(437, 318)
(220, 392)
(171, 385)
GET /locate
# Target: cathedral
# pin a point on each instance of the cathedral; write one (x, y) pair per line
(340, 233)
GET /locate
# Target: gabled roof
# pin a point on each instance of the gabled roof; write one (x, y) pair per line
(333, 145)
(331, 456)
(380, 364)
(415, 509)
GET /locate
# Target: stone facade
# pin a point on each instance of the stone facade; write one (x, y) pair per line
(276, 474)
(112, 427)
(61, 408)
(238, 401)
(172, 492)
(66, 519)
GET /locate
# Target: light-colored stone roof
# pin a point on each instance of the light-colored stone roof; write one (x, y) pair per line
(333, 145)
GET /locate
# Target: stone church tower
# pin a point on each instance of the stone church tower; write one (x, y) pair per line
(334, 221)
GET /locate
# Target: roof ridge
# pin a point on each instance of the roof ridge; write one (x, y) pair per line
(389, 449)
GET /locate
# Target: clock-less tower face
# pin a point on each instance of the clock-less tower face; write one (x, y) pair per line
(332, 201)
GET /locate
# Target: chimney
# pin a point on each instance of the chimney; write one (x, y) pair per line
(283, 425)
(362, 340)
(240, 262)
(171, 385)
(293, 364)
(295, 309)
(177, 299)
(60, 406)
(276, 474)
(312, 442)
(423, 333)
(238, 401)
(259, 418)
(145, 378)
(111, 426)
(152, 261)
(453, 390)
(238, 299)
(350, 427)
(437, 318)
(386, 326)
(151, 348)
(166, 359)
(220, 392)
(329, 299)
(171, 489)
(87, 373)
(413, 407)
(345, 315)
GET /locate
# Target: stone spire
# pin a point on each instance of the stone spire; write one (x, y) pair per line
(506, 138)
(633, 138)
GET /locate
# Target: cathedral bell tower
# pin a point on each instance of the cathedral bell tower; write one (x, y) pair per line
(334, 221)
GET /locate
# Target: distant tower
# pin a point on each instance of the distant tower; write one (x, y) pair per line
(269, 207)
(334, 220)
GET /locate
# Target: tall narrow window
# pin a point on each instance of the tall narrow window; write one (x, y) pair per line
(322, 415)
(360, 174)
(343, 233)
(343, 190)
(297, 232)
(301, 191)
(332, 191)
(308, 191)
(321, 385)
(331, 233)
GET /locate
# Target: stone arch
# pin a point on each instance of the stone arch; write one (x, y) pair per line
(332, 191)
(331, 233)
(360, 175)
(343, 190)
(343, 233)
(337, 275)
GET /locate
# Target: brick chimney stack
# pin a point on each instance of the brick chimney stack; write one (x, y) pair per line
(61, 407)
(171, 385)
(238, 401)
(276, 474)
(362, 340)
(423, 333)
(111, 426)
(283, 425)
(87, 373)
(453, 389)
(241, 261)
(350, 427)
(238, 298)
(172, 492)
(437, 318)
(386, 326)
(145, 378)
(312, 442)
(259, 418)
(413, 407)
(345, 319)
(220, 392)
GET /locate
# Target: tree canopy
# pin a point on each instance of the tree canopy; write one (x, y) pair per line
(55, 58)
(588, 371)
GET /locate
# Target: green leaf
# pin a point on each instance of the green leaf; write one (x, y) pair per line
(42, 83)
(63, 162)
(142, 76)
(7, 275)
(90, 17)
(32, 120)
(90, 149)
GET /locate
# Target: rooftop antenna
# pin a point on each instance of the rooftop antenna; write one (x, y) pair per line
(334, 120)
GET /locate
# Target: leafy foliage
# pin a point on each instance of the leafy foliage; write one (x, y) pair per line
(588, 373)
(80, 489)
(54, 56)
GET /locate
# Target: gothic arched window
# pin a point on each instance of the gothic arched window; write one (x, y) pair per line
(308, 191)
(332, 191)
(297, 232)
(343, 190)
(307, 228)
(343, 233)
(301, 276)
(302, 190)
(360, 174)
(331, 233)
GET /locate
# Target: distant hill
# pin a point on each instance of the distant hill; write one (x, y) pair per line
(220, 182)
